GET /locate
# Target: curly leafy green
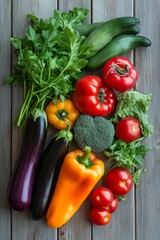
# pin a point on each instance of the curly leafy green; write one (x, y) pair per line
(131, 155)
(128, 155)
(50, 59)
(73, 18)
(134, 104)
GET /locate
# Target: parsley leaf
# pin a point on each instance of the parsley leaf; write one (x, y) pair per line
(50, 59)
(128, 155)
(75, 17)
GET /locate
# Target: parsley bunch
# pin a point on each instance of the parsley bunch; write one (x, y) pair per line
(50, 59)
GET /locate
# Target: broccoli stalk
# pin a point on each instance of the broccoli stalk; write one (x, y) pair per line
(96, 132)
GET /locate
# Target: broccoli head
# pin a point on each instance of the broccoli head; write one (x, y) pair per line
(96, 132)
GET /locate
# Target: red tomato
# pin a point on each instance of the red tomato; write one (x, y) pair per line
(113, 206)
(92, 97)
(99, 216)
(101, 197)
(128, 129)
(119, 181)
(119, 74)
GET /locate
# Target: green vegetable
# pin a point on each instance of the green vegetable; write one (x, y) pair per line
(96, 132)
(129, 30)
(102, 35)
(116, 47)
(86, 29)
(50, 59)
(128, 155)
(131, 155)
(134, 104)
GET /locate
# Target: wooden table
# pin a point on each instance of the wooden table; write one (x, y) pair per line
(139, 216)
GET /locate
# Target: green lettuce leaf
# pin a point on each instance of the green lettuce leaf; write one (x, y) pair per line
(134, 104)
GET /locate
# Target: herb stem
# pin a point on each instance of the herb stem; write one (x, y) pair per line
(50, 56)
(23, 114)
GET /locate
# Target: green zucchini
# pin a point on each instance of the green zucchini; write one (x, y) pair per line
(117, 46)
(102, 35)
(86, 29)
(129, 30)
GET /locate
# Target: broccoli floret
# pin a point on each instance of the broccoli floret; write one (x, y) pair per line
(96, 132)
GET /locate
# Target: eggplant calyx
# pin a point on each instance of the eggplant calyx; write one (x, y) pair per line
(37, 112)
(65, 134)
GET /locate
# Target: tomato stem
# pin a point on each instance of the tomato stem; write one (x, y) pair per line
(122, 71)
(101, 95)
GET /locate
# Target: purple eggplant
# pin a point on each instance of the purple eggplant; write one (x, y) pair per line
(48, 172)
(22, 180)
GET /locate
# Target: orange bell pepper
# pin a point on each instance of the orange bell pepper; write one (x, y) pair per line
(79, 174)
(62, 112)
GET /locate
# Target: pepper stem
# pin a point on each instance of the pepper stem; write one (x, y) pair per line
(62, 114)
(85, 158)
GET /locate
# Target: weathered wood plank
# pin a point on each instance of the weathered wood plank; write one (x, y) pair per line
(23, 227)
(5, 118)
(147, 62)
(145, 211)
(106, 10)
(122, 221)
(79, 227)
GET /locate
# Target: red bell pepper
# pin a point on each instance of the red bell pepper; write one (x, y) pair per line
(93, 97)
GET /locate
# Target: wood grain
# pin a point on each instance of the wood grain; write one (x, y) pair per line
(138, 217)
(5, 117)
(23, 227)
(123, 220)
(147, 61)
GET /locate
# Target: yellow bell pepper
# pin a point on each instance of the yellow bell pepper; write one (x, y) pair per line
(61, 113)
(79, 174)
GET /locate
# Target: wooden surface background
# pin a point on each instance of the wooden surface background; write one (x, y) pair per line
(137, 218)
